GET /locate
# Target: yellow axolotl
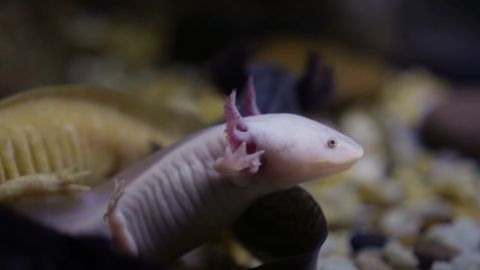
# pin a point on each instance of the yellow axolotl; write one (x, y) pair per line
(64, 139)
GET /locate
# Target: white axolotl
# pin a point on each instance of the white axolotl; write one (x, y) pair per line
(181, 196)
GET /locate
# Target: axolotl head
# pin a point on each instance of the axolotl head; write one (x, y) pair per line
(291, 149)
(298, 149)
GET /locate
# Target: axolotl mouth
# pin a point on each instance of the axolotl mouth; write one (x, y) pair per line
(327, 168)
(335, 169)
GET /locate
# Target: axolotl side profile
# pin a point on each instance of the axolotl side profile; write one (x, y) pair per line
(181, 196)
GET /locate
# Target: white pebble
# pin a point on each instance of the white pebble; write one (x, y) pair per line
(463, 234)
(399, 255)
(464, 261)
(400, 222)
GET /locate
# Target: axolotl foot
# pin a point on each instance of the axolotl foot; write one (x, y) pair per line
(121, 237)
(234, 162)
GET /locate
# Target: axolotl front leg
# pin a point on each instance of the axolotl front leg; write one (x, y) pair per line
(232, 163)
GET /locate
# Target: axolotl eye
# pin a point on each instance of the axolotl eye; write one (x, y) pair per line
(332, 143)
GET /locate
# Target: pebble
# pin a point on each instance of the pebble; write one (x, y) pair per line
(335, 264)
(400, 223)
(367, 240)
(429, 252)
(371, 260)
(465, 261)
(399, 255)
(367, 217)
(463, 234)
(436, 209)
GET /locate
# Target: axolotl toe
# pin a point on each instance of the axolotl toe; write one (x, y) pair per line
(179, 197)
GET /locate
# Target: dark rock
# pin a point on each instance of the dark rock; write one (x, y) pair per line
(361, 240)
(285, 229)
(428, 252)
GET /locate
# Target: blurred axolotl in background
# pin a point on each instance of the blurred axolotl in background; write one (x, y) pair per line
(181, 196)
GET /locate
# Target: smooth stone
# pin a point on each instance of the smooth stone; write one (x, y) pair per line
(399, 255)
(463, 234)
(400, 223)
(282, 225)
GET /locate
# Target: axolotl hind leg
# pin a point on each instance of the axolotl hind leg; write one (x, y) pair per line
(121, 237)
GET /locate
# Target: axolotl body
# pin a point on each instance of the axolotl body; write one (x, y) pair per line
(177, 198)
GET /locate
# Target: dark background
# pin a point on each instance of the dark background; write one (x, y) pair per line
(49, 42)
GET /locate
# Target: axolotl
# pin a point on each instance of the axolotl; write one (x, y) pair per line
(181, 196)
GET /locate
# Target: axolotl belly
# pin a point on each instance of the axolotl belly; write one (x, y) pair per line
(181, 196)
